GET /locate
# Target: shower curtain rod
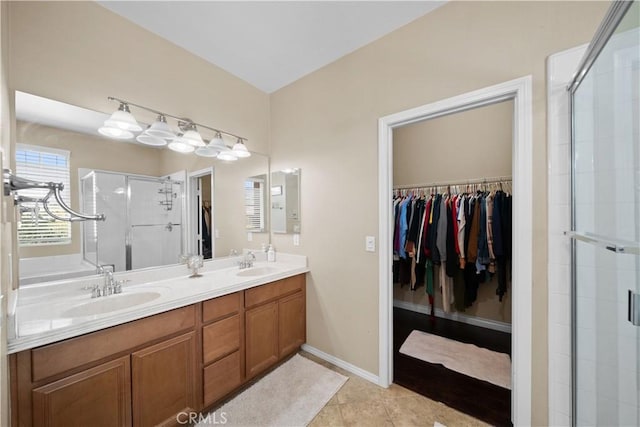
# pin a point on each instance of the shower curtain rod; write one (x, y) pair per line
(492, 180)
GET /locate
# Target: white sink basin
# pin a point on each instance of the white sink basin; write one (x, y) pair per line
(109, 303)
(256, 271)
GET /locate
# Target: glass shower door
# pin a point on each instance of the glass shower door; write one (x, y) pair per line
(155, 215)
(606, 212)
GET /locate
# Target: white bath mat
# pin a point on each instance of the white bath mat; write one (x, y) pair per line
(467, 359)
(291, 395)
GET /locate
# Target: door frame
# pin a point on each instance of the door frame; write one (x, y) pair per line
(520, 91)
(192, 212)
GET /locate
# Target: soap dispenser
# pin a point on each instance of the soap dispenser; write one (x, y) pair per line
(271, 254)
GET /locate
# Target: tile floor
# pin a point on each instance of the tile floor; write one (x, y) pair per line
(361, 403)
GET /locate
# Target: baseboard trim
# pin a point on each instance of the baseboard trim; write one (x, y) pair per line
(342, 364)
(458, 317)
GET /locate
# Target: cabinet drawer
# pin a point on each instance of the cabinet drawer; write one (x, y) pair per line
(220, 338)
(221, 377)
(73, 353)
(220, 307)
(266, 293)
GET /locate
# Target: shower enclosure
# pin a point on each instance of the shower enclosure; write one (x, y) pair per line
(143, 226)
(605, 224)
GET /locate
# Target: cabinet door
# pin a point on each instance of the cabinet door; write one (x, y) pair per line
(291, 323)
(100, 396)
(261, 338)
(164, 378)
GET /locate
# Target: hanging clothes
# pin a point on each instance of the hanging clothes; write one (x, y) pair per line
(463, 239)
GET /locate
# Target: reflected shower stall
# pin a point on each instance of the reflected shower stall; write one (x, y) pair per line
(143, 226)
(605, 224)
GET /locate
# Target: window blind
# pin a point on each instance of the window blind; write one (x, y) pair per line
(43, 164)
(254, 204)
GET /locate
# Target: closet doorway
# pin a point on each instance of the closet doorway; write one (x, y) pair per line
(452, 201)
(202, 230)
(518, 94)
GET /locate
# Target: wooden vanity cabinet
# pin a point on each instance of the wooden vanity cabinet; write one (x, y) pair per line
(139, 373)
(275, 322)
(145, 372)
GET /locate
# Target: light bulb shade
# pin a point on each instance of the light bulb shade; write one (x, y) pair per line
(160, 129)
(240, 150)
(218, 143)
(181, 147)
(147, 139)
(124, 120)
(227, 155)
(207, 151)
(192, 137)
(115, 132)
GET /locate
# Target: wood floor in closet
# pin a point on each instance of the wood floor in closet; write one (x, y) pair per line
(477, 398)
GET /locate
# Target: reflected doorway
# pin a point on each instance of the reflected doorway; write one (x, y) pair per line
(202, 230)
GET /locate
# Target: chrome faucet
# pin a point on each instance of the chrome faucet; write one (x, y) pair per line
(247, 261)
(110, 286)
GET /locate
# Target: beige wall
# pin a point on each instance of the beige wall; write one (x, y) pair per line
(81, 53)
(326, 124)
(464, 146)
(468, 145)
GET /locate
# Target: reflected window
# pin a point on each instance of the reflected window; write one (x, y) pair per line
(254, 196)
(36, 227)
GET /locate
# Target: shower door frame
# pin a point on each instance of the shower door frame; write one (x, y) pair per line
(609, 24)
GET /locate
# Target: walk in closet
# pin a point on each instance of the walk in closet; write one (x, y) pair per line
(452, 246)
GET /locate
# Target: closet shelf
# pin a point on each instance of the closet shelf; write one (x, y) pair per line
(609, 243)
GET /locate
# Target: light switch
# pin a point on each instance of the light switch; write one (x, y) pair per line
(296, 239)
(216, 233)
(370, 243)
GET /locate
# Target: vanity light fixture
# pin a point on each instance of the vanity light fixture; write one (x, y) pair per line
(181, 146)
(213, 148)
(160, 128)
(191, 135)
(122, 125)
(240, 150)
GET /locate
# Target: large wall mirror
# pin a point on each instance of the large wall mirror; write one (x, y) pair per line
(158, 203)
(285, 201)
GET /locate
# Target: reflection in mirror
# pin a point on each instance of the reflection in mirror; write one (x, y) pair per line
(255, 202)
(127, 181)
(144, 219)
(285, 201)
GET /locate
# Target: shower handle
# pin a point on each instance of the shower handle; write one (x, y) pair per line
(633, 313)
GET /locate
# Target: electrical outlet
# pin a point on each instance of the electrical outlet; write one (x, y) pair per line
(249, 237)
(370, 243)
(296, 239)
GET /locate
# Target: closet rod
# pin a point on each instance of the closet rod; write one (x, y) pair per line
(495, 179)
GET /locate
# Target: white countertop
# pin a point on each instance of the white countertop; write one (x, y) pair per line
(54, 311)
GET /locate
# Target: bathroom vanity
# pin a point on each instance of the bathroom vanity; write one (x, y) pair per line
(182, 345)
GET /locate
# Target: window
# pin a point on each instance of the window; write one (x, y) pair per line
(254, 204)
(42, 164)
